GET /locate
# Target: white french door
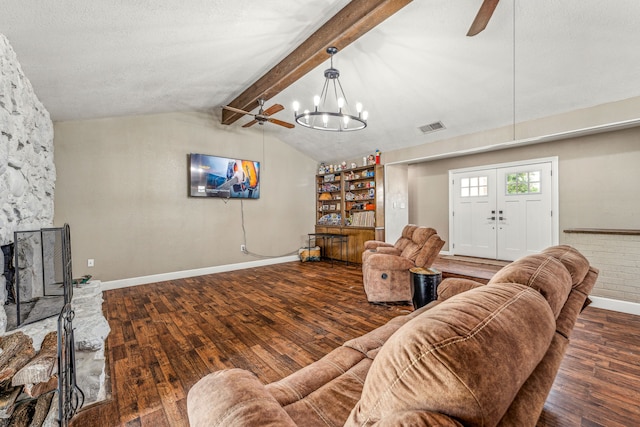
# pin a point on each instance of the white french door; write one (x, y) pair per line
(503, 211)
(474, 214)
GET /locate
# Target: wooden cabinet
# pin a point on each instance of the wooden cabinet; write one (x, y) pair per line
(350, 202)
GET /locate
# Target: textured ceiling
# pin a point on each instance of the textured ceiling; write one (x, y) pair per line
(112, 58)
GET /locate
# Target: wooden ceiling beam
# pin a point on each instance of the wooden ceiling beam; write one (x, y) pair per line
(351, 22)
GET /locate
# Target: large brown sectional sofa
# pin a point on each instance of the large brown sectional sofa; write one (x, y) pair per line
(480, 355)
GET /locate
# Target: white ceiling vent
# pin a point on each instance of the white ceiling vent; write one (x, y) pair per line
(432, 127)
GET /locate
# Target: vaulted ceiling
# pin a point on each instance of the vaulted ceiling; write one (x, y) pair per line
(536, 58)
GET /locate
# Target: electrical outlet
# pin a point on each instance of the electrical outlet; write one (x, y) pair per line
(243, 248)
(90, 262)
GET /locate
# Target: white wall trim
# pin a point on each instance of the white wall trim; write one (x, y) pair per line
(593, 130)
(615, 305)
(143, 280)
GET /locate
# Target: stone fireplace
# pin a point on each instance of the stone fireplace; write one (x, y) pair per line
(27, 183)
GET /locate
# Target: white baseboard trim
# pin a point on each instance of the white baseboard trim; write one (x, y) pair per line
(143, 280)
(615, 305)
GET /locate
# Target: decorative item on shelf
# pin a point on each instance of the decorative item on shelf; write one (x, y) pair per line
(333, 114)
(330, 219)
(371, 159)
(324, 196)
(378, 153)
(322, 169)
(330, 168)
(372, 193)
(351, 175)
(350, 196)
(353, 165)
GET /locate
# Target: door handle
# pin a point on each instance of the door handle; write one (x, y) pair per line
(502, 218)
(492, 218)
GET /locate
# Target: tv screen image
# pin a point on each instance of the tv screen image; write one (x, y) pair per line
(213, 176)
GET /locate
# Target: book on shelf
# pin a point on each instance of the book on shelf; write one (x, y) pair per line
(363, 219)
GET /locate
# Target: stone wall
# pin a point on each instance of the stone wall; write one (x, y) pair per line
(27, 171)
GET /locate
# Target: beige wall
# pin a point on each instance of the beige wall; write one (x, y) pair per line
(122, 187)
(598, 177)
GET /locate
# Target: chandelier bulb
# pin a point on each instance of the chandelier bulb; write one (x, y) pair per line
(316, 101)
(359, 107)
(365, 115)
(296, 106)
(340, 103)
(345, 120)
(325, 119)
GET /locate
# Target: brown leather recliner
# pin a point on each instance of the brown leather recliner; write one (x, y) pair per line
(385, 271)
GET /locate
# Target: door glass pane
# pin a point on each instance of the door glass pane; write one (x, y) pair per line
(523, 182)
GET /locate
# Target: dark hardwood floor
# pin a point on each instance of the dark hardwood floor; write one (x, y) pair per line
(273, 320)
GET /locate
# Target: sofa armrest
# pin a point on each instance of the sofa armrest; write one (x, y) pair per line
(389, 250)
(233, 397)
(389, 262)
(454, 286)
(373, 244)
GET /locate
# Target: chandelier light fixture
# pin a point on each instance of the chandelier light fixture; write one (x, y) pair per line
(330, 108)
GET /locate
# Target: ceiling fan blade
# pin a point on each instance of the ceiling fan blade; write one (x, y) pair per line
(273, 109)
(251, 123)
(281, 123)
(483, 17)
(236, 110)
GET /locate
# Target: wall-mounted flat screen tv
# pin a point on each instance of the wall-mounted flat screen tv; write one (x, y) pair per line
(213, 176)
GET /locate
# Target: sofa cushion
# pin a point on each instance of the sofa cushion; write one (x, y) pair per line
(543, 273)
(574, 261)
(466, 357)
(331, 403)
(233, 397)
(411, 251)
(313, 376)
(429, 251)
(421, 234)
(373, 340)
(405, 238)
(452, 286)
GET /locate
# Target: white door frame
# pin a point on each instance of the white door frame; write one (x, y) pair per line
(555, 202)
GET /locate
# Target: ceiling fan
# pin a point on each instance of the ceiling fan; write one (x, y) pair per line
(263, 115)
(483, 17)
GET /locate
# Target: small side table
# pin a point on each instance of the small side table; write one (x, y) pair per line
(424, 284)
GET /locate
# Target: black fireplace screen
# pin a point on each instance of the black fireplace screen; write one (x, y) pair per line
(38, 270)
(44, 288)
(70, 397)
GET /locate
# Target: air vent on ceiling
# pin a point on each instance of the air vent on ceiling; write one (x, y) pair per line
(432, 127)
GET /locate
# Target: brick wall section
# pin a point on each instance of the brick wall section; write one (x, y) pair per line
(617, 257)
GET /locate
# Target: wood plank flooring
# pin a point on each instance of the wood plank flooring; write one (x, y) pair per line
(273, 320)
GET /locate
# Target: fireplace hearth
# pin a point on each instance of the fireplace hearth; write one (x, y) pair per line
(73, 322)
